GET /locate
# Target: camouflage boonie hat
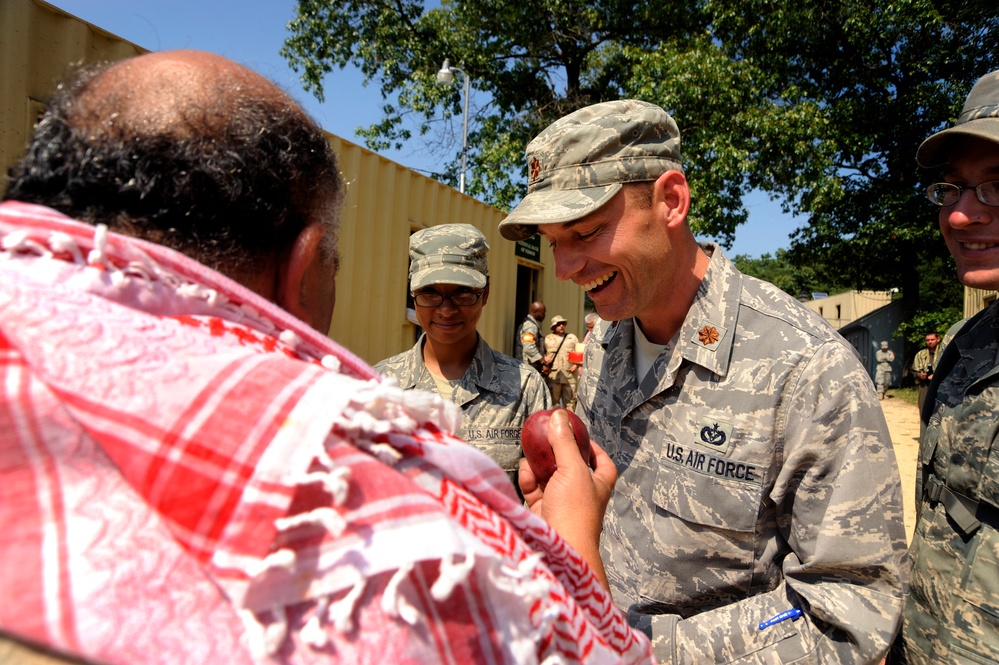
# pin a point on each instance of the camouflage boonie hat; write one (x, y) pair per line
(557, 320)
(448, 254)
(579, 162)
(980, 118)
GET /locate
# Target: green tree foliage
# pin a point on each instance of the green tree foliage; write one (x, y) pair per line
(821, 103)
(534, 62)
(941, 304)
(871, 79)
(796, 281)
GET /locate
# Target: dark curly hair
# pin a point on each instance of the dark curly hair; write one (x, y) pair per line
(233, 182)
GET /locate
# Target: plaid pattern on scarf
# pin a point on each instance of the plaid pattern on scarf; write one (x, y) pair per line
(190, 475)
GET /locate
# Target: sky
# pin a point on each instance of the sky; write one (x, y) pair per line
(252, 32)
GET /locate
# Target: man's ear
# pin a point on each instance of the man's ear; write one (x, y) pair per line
(671, 197)
(293, 270)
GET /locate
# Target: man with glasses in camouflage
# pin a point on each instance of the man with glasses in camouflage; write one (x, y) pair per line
(449, 279)
(952, 613)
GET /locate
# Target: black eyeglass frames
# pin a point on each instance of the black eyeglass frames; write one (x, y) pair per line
(458, 299)
(947, 193)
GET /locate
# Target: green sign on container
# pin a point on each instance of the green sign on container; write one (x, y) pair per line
(530, 248)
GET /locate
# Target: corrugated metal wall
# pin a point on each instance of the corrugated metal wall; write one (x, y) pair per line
(385, 201)
(975, 300)
(844, 308)
(37, 44)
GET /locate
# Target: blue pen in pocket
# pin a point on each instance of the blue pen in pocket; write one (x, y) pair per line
(791, 614)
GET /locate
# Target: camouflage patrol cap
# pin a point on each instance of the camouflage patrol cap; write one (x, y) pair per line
(580, 162)
(448, 254)
(980, 118)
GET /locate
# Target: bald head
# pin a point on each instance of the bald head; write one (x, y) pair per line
(174, 93)
(189, 150)
(538, 310)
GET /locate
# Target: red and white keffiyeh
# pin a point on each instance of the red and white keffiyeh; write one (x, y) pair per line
(190, 475)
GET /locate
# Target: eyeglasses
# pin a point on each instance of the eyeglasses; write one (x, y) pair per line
(458, 299)
(947, 193)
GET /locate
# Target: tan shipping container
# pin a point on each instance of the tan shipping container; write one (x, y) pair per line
(385, 201)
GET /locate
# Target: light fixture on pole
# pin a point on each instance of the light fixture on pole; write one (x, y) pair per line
(446, 77)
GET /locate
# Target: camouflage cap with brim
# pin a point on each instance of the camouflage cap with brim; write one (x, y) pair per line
(979, 119)
(579, 162)
(448, 254)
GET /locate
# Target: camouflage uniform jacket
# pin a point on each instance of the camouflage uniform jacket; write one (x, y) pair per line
(528, 345)
(496, 394)
(756, 475)
(952, 613)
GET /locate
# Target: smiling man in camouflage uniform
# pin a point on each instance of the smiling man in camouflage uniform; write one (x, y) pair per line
(952, 614)
(449, 278)
(758, 516)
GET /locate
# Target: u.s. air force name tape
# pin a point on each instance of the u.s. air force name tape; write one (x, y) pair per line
(711, 465)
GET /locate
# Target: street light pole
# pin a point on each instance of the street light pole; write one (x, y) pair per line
(446, 76)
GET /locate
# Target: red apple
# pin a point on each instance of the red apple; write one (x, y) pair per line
(537, 450)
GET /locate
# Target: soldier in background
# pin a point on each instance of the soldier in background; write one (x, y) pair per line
(562, 376)
(950, 613)
(529, 344)
(923, 365)
(591, 320)
(449, 279)
(758, 514)
(882, 375)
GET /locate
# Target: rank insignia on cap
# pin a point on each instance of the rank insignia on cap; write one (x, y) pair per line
(708, 335)
(535, 168)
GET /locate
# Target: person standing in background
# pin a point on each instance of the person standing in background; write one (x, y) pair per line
(923, 365)
(563, 374)
(591, 320)
(882, 375)
(529, 343)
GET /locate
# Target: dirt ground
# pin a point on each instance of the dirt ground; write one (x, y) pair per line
(903, 423)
